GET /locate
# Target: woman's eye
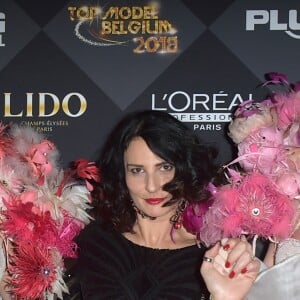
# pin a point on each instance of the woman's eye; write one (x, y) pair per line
(136, 170)
(167, 167)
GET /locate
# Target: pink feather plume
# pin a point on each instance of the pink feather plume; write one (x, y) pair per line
(254, 206)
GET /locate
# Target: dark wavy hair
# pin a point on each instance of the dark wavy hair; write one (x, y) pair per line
(169, 139)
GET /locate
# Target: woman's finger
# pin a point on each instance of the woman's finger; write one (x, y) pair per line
(242, 264)
(253, 266)
(237, 250)
(211, 254)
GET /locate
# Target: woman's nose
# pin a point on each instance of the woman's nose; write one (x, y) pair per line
(152, 183)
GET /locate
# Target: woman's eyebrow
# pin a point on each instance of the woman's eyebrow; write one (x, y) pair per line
(141, 166)
(134, 165)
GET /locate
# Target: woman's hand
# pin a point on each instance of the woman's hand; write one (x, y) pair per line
(229, 269)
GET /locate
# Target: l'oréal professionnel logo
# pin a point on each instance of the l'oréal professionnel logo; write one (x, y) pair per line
(140, 26)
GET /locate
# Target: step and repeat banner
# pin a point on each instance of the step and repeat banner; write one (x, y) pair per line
(72, 69)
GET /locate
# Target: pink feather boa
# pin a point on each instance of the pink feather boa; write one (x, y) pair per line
(254, 206)
(261, 200)
(42, 210)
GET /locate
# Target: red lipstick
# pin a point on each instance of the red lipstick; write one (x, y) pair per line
(154, 201)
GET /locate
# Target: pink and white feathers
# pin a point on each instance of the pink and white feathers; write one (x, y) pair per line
(253, 206)
(43, 208)
(261, 200)
(271, 146)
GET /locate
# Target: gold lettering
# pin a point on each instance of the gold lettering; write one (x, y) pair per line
(106, 28)
(125, 13)
(137, 12)
(7, 111)
(117, 27)
(134, 12)
(150, 12)
(134, 27)
(42, 105)
(29, 104)
(83, 12)
(65, 105)
(172, 44)
(112, 13)
(165, 26)
(72, 10)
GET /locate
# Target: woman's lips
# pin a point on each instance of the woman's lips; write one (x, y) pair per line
(154, 201)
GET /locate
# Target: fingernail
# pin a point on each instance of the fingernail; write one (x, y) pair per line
(244, 270)
(227, 264)
(226, 247)
(231, 274)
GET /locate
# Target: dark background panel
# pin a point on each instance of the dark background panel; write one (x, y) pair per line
(217, 58)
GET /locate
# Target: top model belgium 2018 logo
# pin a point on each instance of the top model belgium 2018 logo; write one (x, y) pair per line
(140, 27)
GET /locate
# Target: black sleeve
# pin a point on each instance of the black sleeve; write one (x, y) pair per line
(101, 269)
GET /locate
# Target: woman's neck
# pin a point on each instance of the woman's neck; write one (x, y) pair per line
(153, 233)
(159, 234)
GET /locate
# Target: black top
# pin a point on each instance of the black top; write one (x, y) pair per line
(112, 267)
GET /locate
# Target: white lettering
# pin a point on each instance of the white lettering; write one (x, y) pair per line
(271, 18)
(203, 117)
(293, 23)
(254, 17)
(180, 101)
(186, 98)
(274, 23)
(2, 28)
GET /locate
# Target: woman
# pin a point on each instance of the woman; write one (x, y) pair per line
(152, 166)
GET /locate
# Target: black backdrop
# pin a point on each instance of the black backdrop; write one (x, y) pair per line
(62, 75)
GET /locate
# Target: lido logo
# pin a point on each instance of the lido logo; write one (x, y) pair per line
(72, 105)
(2, 28)
(288, 21)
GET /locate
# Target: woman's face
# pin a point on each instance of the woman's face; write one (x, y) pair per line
(145, 175)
